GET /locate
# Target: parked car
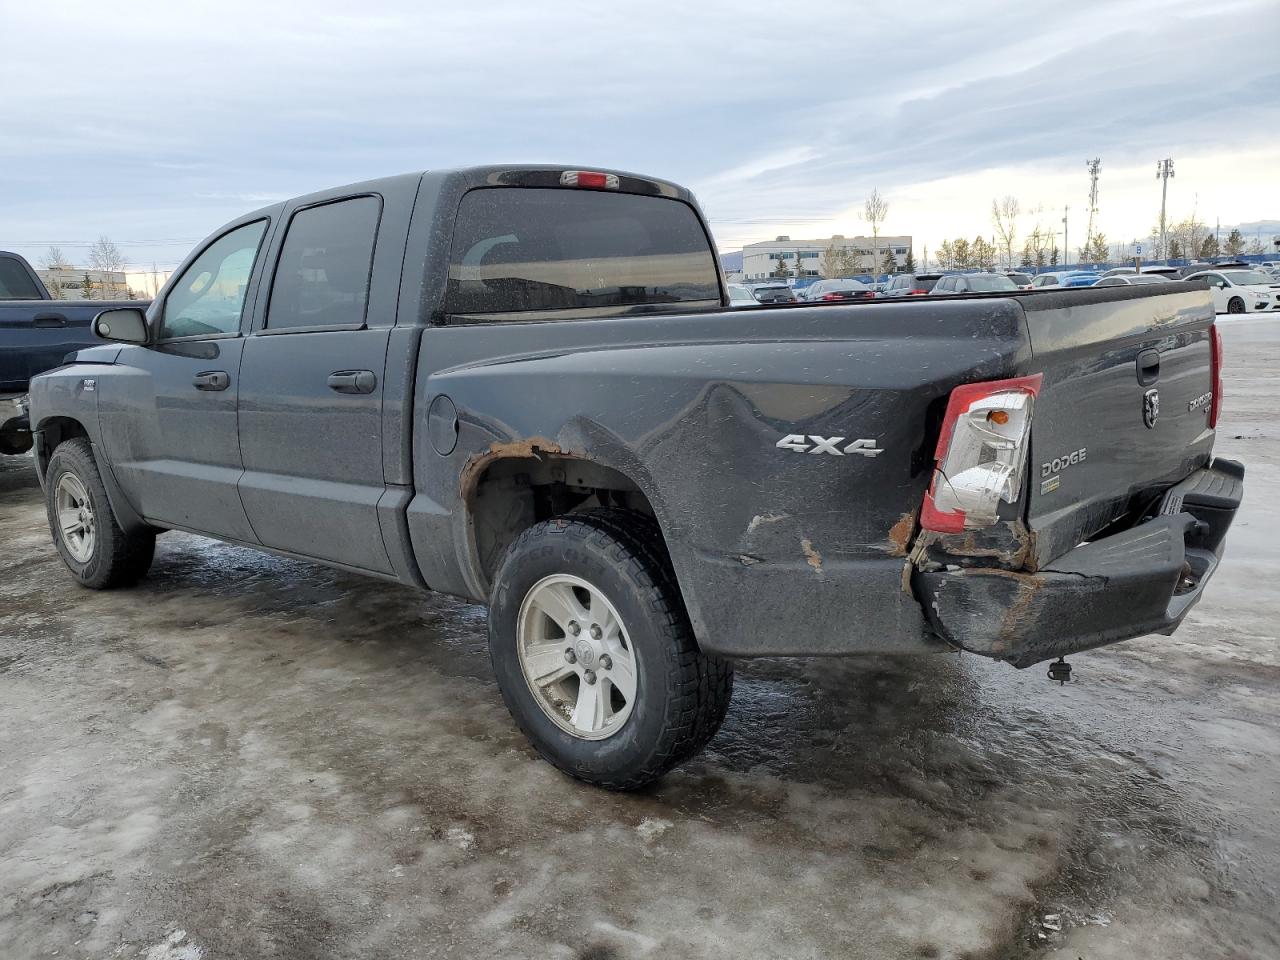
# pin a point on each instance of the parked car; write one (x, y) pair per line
(1194, 268)
(1241, 291)
(1172, 273)
(740, 296)
(1064, 278)
(36, 332)
(972, 283)
(910, 284)
(1023, 280)
(1132, 280)
(512, 385)
(773, 293)
(835, 291)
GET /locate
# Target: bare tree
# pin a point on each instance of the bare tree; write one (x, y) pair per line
(1190, 233)
(54, 259)
(875, 210)
(106, 256)
(834, 258)
(1004, 214)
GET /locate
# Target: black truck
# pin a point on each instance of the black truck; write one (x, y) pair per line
(36, 333)
(523, 386)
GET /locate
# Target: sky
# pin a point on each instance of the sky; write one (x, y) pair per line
(158, 122)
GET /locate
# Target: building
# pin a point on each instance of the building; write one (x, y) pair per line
(68, 283)
(760, 260)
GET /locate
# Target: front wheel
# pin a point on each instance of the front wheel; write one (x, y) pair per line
(1235, 305)
(97, 551)
(594, 654)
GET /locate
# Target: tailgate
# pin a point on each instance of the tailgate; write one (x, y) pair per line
(1123, 412)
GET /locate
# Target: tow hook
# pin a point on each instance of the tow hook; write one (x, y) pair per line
(1060, 670)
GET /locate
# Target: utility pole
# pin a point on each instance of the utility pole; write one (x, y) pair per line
(1164, 170)
(1093, 166)
(1066, 247)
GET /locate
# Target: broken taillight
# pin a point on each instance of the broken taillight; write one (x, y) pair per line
(981, 455)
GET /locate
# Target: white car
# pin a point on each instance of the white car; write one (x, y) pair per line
(1241, 291)
(1131, 280)
(740, 296)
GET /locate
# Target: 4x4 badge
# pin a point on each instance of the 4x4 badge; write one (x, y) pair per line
(1150, 407)
(813, 444)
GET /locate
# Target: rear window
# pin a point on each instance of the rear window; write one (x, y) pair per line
(991, 283)
(15, 282)
(926, 283)
(567, 253)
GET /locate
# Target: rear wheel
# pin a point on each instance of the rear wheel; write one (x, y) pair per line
(1235, 305)
(594, 654)
(93, 546)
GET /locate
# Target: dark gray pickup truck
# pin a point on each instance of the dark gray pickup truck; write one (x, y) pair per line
(524, 386)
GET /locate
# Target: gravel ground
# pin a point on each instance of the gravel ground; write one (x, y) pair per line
(251, 757)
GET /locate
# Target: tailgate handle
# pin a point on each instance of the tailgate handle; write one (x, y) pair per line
(1148, 367)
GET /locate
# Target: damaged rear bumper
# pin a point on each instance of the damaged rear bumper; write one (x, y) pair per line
(1142, 580)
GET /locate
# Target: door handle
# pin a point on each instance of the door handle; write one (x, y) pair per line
(1148, 367)
(352, 381)
(50, 320)
(212, 380)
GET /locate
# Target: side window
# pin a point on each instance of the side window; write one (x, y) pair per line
(209, 296)
(322, 277)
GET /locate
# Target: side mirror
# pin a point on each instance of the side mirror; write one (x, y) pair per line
(124, 325)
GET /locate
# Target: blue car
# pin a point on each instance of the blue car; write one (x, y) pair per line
(1065, 278)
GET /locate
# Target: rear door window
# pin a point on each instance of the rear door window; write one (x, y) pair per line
(530, 253)
(322, 276)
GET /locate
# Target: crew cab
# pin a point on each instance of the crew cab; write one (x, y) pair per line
(36, 333)
(524, 386)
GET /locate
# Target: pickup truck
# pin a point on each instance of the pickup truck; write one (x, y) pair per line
(36, 333)
(524, 386)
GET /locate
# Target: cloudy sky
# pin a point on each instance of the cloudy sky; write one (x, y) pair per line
(155, 122)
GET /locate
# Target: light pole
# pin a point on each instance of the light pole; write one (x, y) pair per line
(1066, 247)
(1164, 170)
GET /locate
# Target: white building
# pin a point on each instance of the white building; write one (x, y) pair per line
(760, 260)
(68, 283)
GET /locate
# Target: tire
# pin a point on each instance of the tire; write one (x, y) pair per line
(679, 695)
(108, 557)
(1235, 305)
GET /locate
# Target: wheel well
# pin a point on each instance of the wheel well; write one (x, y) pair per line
(514, 493)
(56, 430)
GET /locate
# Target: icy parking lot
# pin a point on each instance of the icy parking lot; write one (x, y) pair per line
(251, 757)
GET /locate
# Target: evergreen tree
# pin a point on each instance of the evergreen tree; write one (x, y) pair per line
(1235, 243)
(1175, 250)
(1053, 257)
(890, 263)
(910, 264)
(88, 287)
(1209, 246)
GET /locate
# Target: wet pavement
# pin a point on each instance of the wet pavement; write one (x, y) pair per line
(252, 757)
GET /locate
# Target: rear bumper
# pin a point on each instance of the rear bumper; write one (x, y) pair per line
(1142, 580)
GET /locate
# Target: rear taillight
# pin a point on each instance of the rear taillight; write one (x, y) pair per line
(1215, 366)
(589, 178)
(917, 292)
(832, 296)
(981, 455)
